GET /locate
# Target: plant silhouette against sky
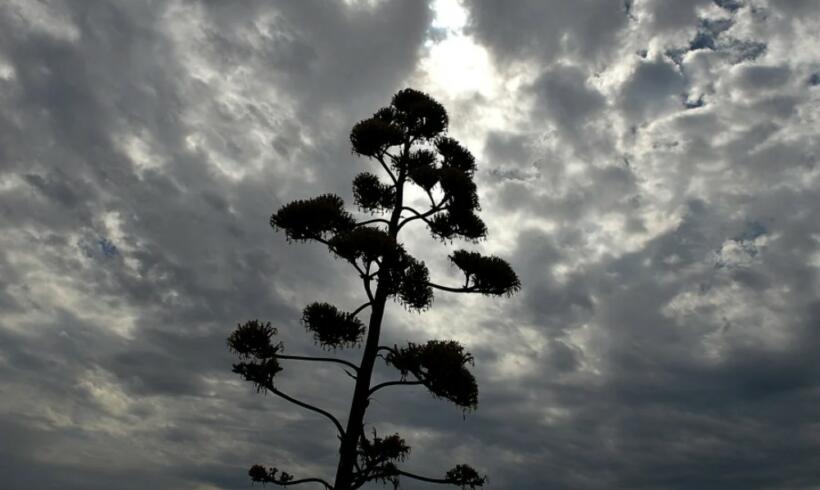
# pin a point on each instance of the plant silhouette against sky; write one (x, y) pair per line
(408, 141)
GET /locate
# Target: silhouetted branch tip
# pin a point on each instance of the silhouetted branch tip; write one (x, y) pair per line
(259, 474)
(370, 194)
(251, 341)
(455, 156)
(489, 275)
(422, 169)
(364, 243)
(312, 219)
(442, 367)
(465, 476)
(331, 327)
(418, 114)
(373, 136)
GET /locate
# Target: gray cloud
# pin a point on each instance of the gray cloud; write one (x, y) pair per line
(119, 128)
(547, 30)
(653, 87)
(666, 334)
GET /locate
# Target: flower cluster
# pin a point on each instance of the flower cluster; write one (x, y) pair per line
(377, 457)
(331, 327)
(311, 219)
(259, 474)
(406, 278)
(252, 342)
(411, 114)
(370, 194)
(462, 203)
(489, 275)
(441, 365)
(365, 243)
(465, 476)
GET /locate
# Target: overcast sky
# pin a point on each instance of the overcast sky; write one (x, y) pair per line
(649, 167)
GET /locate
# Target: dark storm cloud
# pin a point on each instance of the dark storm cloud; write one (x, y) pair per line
(655, 186)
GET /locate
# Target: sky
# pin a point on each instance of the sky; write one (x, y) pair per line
(648, 167)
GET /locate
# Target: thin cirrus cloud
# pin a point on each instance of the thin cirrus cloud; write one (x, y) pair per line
(650, 170)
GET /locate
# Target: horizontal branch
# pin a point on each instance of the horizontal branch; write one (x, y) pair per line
(472, 289)
(422, 216)
(392, 383)
(397, 471)
(371, 221)
(309, 407)
(327, 485)
(443, 481)
(319, 359)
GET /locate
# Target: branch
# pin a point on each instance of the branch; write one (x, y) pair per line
(374, 220)
(356, 266)
(472, 289)
(320, 359)
(388, 349)
(259, 473)
(350, 261)
(393, 157)
(327, 485)
(392, 383)
(432, 201)
(359, 309)
(309, 407)
(386, 168)
(442, 481)
(421, 216)
(424, 478)
(366, 281)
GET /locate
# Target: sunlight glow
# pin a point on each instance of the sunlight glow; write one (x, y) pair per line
(7, 72)
(456, 64)
(449, 14)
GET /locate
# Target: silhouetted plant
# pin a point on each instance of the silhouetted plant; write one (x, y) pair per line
(407, 140)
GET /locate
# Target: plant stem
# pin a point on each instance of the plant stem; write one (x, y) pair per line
(361, 393)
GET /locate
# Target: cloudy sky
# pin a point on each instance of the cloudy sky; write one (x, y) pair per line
(649, 167)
